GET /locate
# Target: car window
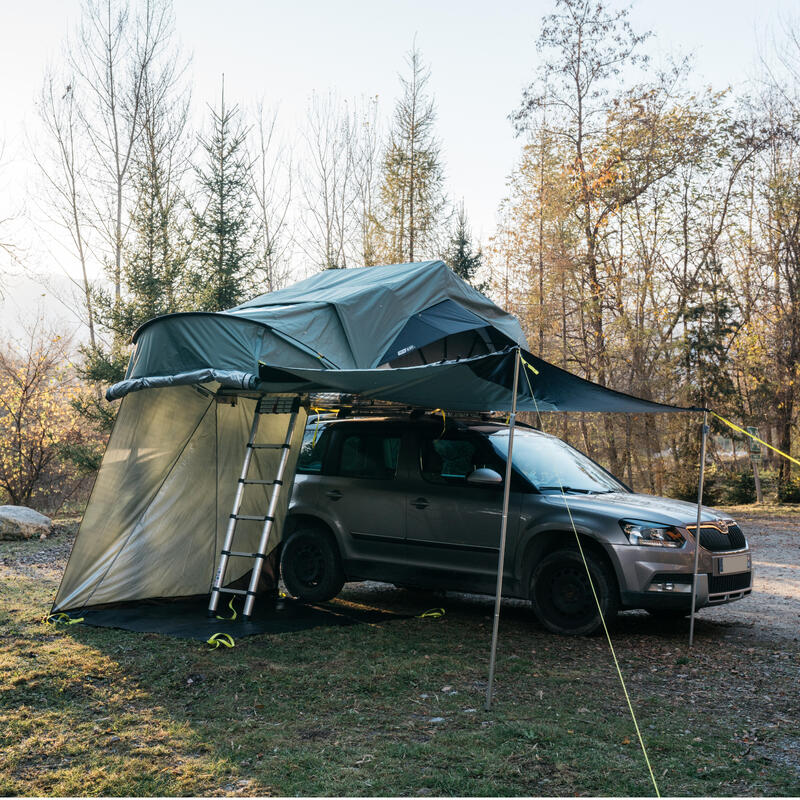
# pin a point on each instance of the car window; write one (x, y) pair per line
(368, 455)
(313, 449)
(451, 459)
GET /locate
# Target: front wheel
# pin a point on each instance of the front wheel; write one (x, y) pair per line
(562, 596)
(311, 566)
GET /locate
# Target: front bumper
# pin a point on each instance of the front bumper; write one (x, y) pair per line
(662, 579)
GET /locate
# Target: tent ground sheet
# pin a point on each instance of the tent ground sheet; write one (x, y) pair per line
(187, 618)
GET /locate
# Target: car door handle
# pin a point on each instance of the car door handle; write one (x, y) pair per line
(420, 503)
(334, 494)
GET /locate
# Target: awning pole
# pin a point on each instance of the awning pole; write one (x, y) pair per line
(503, 530)
(704, 436)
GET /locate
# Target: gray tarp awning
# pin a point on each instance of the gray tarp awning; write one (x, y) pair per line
(483, 383)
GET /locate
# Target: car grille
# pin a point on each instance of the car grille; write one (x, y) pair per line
(718, 584)
(712, 538)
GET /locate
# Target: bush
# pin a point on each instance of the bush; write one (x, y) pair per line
(789, 491)
(684, 487)
(740, 489)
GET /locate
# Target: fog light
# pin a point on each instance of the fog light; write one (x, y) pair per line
(669, 586)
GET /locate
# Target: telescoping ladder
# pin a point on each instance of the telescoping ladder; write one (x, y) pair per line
(266, 405)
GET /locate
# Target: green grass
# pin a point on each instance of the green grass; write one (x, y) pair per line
(349, 711)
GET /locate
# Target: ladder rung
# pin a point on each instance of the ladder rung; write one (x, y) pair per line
(269, 446)
(252, 517)
(241, 554)
(260, 483)
(232, 591)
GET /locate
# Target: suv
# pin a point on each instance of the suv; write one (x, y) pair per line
(418, 503)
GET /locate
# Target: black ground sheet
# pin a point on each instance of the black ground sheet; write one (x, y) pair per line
(187, 618)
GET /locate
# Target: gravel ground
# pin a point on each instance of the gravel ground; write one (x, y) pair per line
(773, 608)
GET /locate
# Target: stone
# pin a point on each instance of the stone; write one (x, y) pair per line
(19, 522)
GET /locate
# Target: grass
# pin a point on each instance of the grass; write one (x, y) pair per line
(395, 709)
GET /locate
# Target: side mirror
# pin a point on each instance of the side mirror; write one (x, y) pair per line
(484, 476)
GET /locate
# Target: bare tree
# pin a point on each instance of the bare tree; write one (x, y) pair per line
(61, 162)
(365, 156)
(111, 58)
(272, 182)
(328, 183)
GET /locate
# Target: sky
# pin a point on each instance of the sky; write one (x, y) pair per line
(481, 55)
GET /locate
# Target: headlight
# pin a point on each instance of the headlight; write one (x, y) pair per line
(652, 534)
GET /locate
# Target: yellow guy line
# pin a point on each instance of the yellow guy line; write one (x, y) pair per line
(596, 600)
(760, 441)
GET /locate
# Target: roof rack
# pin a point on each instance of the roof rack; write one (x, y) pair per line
(349, 405)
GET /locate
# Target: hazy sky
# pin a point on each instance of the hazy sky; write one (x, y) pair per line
(481, 55)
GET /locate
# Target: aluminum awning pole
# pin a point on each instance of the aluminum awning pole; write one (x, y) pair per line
(704, 436)
(503, 530)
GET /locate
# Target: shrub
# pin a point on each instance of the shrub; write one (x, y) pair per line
(38, 424)
(740, 489)
(789, 491)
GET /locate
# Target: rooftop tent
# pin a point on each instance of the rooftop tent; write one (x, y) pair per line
(361, 318)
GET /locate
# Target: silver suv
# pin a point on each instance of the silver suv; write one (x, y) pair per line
(417, 503)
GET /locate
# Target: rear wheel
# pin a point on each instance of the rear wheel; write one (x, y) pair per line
(311, 566)
(562, 596)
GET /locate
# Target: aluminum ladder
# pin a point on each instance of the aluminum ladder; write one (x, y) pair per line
(265, 405)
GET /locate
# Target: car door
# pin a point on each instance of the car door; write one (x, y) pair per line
(361, 492)
(454, 526)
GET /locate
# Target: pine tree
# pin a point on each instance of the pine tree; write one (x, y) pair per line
(411, 192)
(222, 269)
(460, 256)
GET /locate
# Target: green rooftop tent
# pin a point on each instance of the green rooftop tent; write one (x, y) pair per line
(412, 333)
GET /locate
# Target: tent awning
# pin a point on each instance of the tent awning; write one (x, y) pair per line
(482, 383)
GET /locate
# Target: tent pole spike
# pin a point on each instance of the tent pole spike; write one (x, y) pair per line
(704, 436)
(503, 530)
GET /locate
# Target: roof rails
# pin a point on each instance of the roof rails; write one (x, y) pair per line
(348, 405)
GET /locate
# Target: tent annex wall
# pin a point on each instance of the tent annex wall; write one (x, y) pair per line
(157, 515)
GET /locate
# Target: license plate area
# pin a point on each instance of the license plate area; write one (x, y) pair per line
(729, 565)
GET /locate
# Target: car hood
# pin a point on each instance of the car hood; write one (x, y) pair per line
(645, 507)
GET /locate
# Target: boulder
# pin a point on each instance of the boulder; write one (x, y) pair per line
(19, 522)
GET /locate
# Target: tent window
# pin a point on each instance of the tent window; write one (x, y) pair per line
(369, 455)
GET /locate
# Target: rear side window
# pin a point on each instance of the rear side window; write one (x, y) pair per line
(452, 459)
(368, 455)
(313, 449)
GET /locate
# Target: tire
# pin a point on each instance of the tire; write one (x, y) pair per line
(562, 597)
(311, 566)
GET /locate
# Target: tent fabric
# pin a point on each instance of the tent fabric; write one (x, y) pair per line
(481, 383)
(337, 319)
(158, 512)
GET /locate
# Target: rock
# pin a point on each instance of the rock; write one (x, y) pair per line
(19, 522)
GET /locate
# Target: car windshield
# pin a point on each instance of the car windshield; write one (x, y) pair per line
(550, 464)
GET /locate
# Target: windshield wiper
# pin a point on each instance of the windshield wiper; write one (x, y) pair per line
(575, 489)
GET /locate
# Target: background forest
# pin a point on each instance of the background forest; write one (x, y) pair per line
(649, 239)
